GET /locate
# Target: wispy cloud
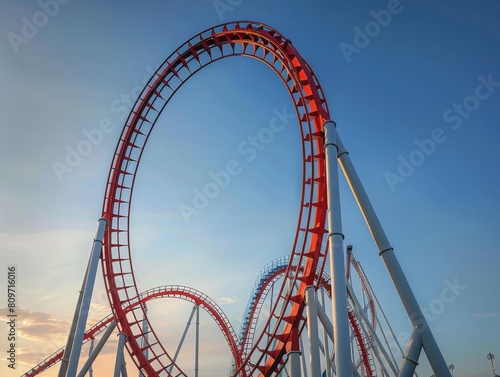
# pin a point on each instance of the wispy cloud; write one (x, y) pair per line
(227, 300)
(41, 333)
(38, 325)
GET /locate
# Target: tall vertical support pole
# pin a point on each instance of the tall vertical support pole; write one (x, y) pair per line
(325, 338)
(91, 349)
(77, 331)
(294, 362)
(302, 359)
(197, 342)
(312, 330)
(119, 361)
(145, 339)
(294, 354)
(336, 251)
(386, 251)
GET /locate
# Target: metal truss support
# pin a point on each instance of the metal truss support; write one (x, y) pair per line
(120, 357)
(88, 364)
(69, 363)
(365, 323)
(312, 330)
(336, 253)
(386, 251)
(183, 337)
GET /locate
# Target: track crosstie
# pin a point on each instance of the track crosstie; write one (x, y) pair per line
(258, 41)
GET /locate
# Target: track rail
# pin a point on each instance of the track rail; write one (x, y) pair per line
(275, 270)
(243, 38)
(168, 291)
(238, 345)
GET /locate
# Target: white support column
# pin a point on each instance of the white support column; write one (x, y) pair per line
(336, 252)
(294, 354)
(71, 336)
(97, 349)
(410, 359)
(124, 369)
(197, 342)
(120, 360)
(144, 341)
(183, 337)
(294, 362)
(325, 338)
(366, 323)
(325, 321)
(303, 363)
(86, 296)
(386, 251)
(312, 330)
(91, 349)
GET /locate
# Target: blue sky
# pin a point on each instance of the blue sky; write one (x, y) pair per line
(397, 89)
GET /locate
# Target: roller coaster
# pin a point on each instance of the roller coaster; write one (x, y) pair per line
(275, 345)
(241, 344)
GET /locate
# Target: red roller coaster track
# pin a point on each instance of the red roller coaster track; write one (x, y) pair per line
(274, 271)
(268, 277)
(244, 38)
(168, 291)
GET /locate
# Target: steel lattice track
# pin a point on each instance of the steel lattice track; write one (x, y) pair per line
(244, 38)
(238, 345)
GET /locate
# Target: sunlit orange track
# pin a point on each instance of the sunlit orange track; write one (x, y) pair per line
(243, 38)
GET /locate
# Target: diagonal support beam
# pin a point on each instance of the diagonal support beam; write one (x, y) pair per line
(386, 251)
(410, 359)
(336, 251)
(73, 349)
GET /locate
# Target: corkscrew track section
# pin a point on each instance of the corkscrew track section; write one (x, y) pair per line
(258, 41)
